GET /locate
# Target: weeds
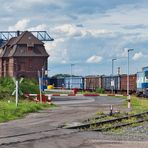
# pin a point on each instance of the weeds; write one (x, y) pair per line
(9, 111)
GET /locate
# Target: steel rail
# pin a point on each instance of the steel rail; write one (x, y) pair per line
(89, 125)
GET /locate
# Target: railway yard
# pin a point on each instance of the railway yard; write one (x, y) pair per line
(74, 74)
(78, 124)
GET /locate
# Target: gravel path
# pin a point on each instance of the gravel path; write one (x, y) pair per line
(41, 129)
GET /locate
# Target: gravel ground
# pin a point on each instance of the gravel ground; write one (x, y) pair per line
(138, 133)
(40, 130)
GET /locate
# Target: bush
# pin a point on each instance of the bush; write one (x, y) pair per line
(7, 87)
(100, 90)
(8, 111)
(29, 86)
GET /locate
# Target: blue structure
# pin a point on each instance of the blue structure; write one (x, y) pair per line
(142, 82)
(74, 82)
(7, 35)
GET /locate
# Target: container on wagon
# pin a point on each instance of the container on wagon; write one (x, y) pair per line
(92, 82)
(132, 83)
(109, 81)
(74, 82)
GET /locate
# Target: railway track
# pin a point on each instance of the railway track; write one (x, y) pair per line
(103, 124)
(33, 136)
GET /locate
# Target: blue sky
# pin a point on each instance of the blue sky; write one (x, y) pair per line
(87, 33)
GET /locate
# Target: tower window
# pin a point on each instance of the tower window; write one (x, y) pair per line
(30, 48)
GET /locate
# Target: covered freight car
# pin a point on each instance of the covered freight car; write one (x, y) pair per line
(92, 82)
(74, 82)
(110, 83)
(56, 82)
(132, 83)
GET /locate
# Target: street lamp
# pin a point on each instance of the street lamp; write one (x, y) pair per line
(113, 65)
(128, 96)
(112, 82)
(71, 66)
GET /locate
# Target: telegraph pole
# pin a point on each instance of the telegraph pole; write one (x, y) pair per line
(112, 81)
(128, 95)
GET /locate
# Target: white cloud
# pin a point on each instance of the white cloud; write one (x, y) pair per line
(20, 25)
(40, 27)
(57, 54)
(74, 31)
(68, 30)
(137, 56)
(94, 59)
(124, 52)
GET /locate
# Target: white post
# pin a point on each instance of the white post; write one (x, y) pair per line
(71, 66)
(16, 95)
(49, 98)
(40, 86)
(129, 102)
(112, 80)
(128, 96)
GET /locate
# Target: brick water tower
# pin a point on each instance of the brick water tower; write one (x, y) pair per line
(23, 56)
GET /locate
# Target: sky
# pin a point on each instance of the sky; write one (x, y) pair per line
(87, 33)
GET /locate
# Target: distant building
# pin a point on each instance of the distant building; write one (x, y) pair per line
(23, 56)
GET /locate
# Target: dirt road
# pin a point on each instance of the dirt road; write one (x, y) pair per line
(41, 130)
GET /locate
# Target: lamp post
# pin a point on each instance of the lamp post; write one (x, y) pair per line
(128, 96)
(112, 81)
(71, 66)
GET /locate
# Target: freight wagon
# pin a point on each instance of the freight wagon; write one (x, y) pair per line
(92, 82)
(111, 83)
(132, 83)
(118, 83)
(56, 82)
(74, 82)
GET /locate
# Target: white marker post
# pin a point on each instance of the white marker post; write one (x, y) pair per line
(129, 101)
(40, 89)
(16, 95)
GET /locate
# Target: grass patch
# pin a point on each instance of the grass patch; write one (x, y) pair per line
(9, 111)
(137, 104)
(86, 92)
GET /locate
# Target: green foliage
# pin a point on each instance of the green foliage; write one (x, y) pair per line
(100, 90)
(29, 86)
(139, 104)
(7, 86)
(60, 75)
(8, 111)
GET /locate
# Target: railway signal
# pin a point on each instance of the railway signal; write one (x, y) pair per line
(17, 91)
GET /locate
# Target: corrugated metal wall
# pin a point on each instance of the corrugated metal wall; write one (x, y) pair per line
(92, 82)
(106, 82)
(132, 82)
(74, 82)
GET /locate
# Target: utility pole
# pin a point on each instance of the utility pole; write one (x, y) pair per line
(128, 96)
(71, 66)
(112, 81)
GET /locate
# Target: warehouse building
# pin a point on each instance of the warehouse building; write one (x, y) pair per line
(23, 56)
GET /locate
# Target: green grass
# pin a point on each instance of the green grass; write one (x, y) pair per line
(137, 104)
(9, 111)
(86, 92)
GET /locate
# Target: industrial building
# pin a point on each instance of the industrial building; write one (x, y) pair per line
(23, 56)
